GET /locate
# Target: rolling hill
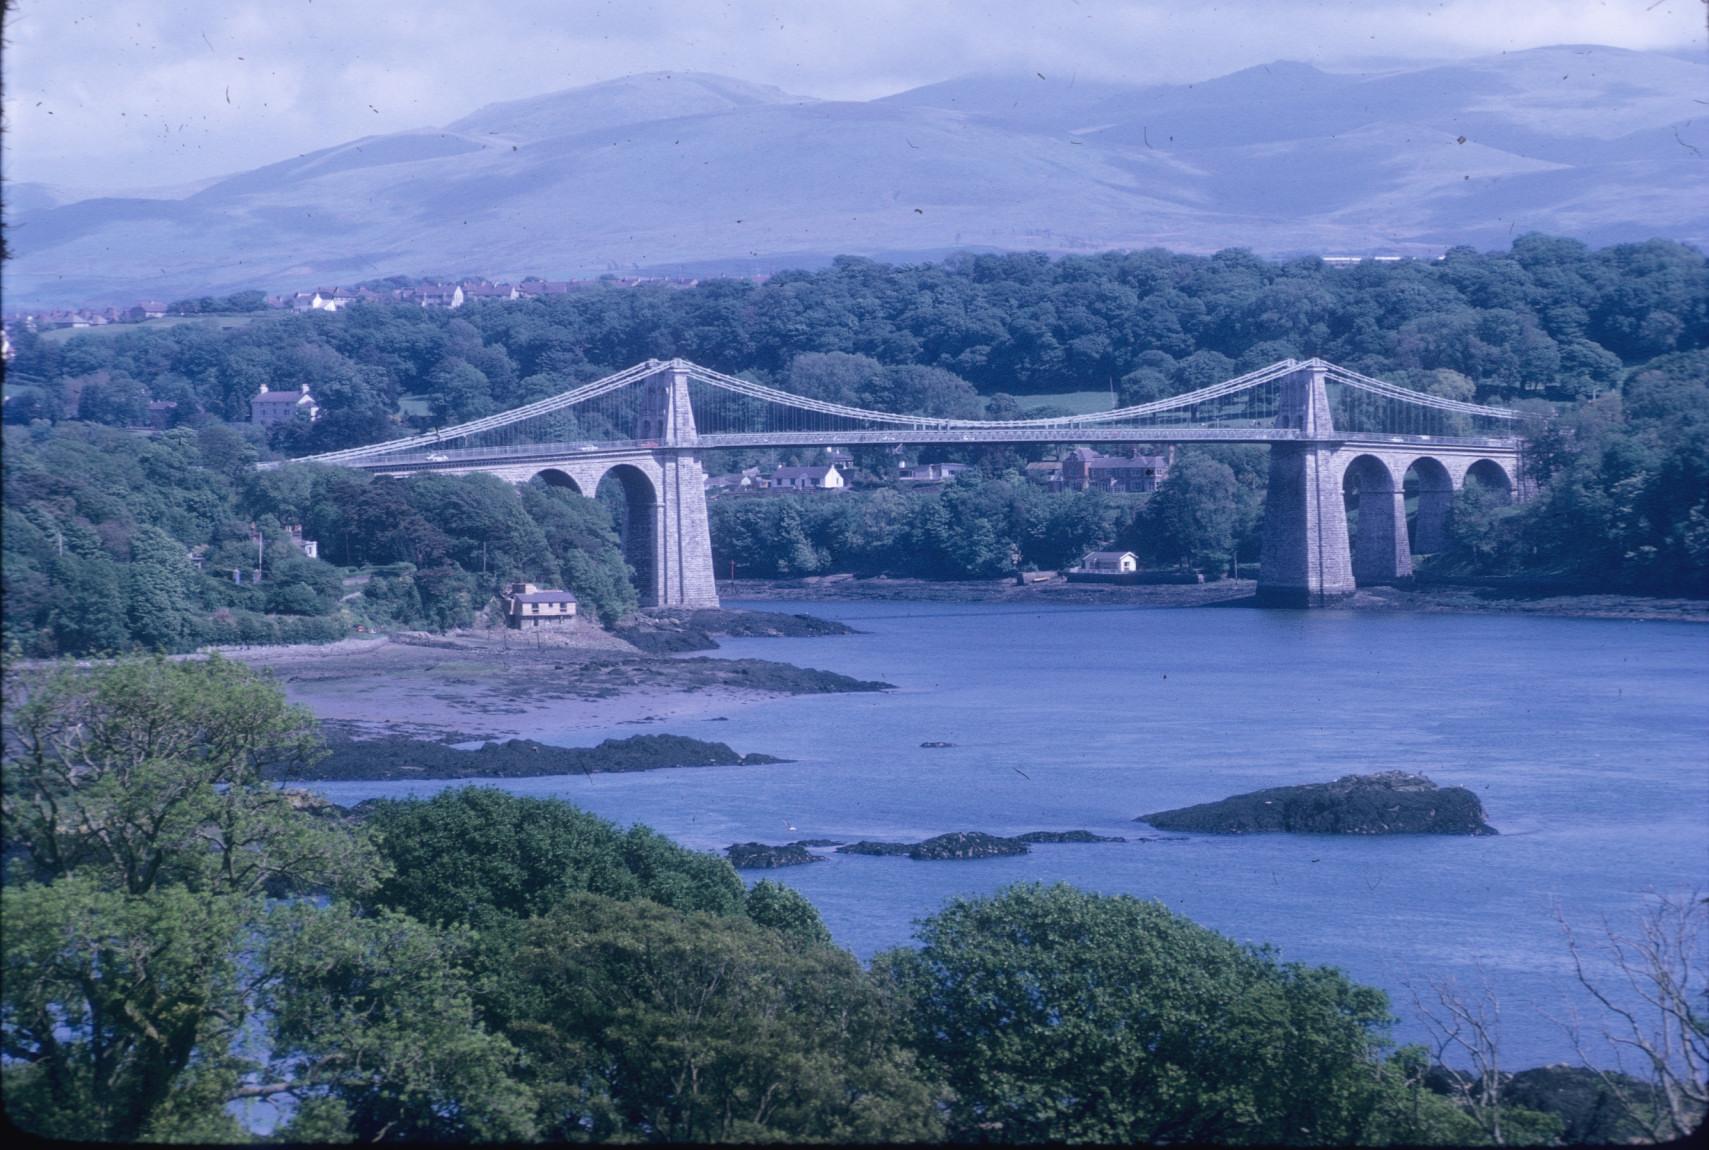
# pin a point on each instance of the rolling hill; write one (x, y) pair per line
(684, 172)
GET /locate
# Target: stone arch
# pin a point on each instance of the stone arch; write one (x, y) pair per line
(1492, 477)
(1379, 542)
(1431, 487)
(639, 525)
(557, 478)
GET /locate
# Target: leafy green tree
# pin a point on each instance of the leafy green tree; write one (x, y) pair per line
(787, 910)
(483, 857)
(1055, 1015)
(638, 1022)
(376, 1016)
(589, 554)
(146, 846)
(1194, 517)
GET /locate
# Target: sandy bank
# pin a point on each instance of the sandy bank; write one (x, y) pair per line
(503, 684)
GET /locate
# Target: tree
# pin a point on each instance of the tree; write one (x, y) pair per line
(485, 858)
(147, 845)
(153, 772)
(638, 1022)
(786, 910)
(1193, 517)
(1655, 1004)
(1058, 1015)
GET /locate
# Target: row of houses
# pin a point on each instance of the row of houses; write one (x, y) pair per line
(429, 295)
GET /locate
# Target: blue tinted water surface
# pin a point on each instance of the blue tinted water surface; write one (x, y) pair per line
(1587, 740)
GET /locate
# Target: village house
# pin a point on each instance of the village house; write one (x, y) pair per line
(270, 406)
(1110, 562)
(526, 605)
(1086, 470)
(533, 289)
(309, 547)
(438, 295)
(931, 472)
(747, 479)
(473, 289)
(1047, 472)
(826, 478)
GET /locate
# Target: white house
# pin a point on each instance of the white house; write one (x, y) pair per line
(1110, 562)
(526, 605)
(281, 406)
(826, 478)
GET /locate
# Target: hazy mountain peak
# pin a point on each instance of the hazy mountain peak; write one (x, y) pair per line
(637, 99)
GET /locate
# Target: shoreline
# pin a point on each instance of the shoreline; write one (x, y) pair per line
(496, 686)
(1227, 593)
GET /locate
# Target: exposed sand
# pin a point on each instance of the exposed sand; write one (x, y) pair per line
(498, 684)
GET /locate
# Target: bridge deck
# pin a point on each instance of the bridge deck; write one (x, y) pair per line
(461, 458)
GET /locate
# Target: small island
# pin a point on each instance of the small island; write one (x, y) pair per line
(1386, 803)
(764, 856)
(396, 757)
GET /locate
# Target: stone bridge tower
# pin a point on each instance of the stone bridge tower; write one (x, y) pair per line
(681, 574)
(1305, 560)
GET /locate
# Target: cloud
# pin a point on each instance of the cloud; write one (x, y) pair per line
(128, 93)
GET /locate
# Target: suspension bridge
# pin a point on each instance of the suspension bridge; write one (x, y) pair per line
(1329, 430)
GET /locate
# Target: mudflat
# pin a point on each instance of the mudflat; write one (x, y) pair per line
(507, 684)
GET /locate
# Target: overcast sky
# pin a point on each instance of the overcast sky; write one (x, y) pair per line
(107, 94)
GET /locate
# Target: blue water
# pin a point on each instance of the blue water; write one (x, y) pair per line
(1587, 740)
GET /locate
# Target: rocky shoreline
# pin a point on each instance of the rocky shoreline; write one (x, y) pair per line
(954, 845)
(1386, 803)
(513, 685)
(354, 757)
(1456, 599)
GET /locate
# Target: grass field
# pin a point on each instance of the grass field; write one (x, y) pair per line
(1077, 402)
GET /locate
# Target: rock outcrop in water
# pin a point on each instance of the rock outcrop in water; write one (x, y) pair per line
(409, 758)
(763, 856)
(955, 845)
(1388, 803)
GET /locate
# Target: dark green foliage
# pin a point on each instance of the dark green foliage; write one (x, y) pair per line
(580, 536)
(482, 856)
(1060, 1016)
(100, 527)
(974, 529)
(640, 1023)
(1623, 499)
(786, 910)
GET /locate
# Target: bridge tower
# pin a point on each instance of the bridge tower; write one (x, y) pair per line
(1305, 559)
(681, 568)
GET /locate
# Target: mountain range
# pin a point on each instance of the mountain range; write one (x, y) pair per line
(687, 173)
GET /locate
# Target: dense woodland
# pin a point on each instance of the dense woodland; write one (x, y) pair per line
(183, 935)
(1611, 345)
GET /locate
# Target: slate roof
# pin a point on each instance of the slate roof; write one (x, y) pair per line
(543, 597)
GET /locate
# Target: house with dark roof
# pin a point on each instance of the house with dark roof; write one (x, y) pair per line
(271, 406)
(526, 605)
(1086, 470)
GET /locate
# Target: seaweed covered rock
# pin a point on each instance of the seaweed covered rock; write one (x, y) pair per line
(1387, 803)
(406, 758)
(967, 845)
(764, 856)
(866, 847)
